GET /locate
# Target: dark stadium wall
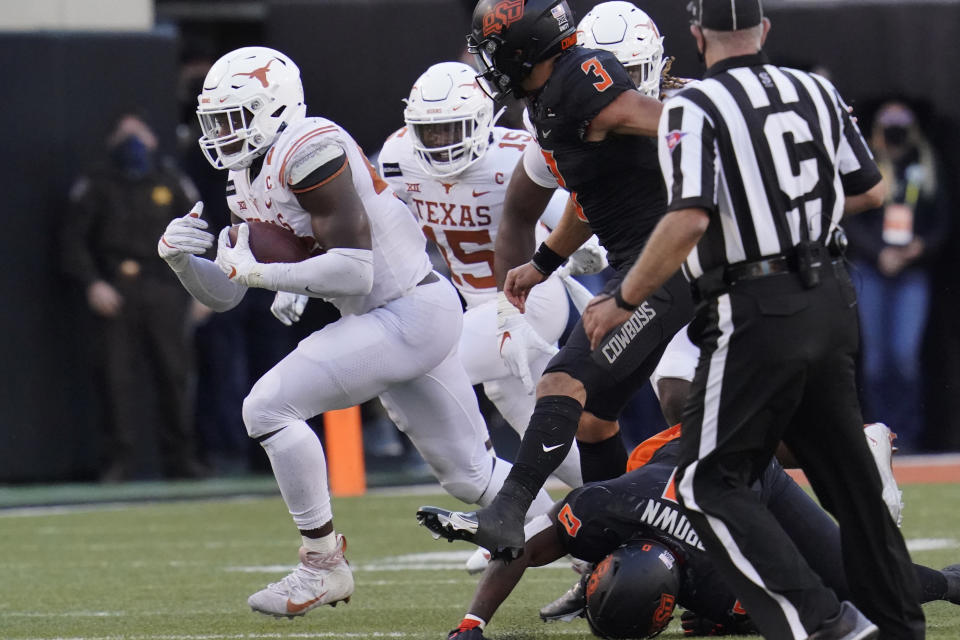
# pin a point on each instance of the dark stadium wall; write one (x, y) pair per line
(359, 58)
(63, 90)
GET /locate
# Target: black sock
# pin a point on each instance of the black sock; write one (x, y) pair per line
(546, 443)
(602, 460)
(933, 584)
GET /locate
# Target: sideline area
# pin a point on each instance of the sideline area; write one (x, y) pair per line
(914, 469)
(940, 468)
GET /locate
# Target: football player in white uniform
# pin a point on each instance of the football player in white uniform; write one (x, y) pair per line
(451, 165)
(400, 326)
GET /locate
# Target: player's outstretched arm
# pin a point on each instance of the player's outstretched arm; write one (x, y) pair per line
(631, 113)
(523, 205)
(181, 245)
(570, 233)
(500, 578)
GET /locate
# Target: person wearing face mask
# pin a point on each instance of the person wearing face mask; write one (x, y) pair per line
(891, 248)
(142, 344)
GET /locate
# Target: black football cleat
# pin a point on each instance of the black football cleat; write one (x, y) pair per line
(567, 607)
(952, 573)
(476, 633)
(848, 624)
(503, 540)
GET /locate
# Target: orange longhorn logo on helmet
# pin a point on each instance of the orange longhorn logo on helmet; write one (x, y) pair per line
(259, 73)
(502, 16)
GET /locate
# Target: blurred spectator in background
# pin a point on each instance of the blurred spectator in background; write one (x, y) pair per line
(143, 340)
(892, 248)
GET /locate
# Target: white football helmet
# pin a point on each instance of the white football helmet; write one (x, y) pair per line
(631, 35)
(249, 96)
(450, 119)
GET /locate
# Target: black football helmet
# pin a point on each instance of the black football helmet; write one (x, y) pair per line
(508, 37)
(632, 592)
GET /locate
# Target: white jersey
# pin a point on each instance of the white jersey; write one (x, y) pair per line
(461, 213)
(399, 257)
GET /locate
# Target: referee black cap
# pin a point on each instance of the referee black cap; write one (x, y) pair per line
(726, 15)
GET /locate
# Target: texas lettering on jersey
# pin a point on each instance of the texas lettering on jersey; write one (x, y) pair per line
(460, 214)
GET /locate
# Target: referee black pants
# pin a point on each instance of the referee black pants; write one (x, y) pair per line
(777, 363)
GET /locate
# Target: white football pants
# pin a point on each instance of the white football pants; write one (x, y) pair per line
(406, 353)
(547, 311)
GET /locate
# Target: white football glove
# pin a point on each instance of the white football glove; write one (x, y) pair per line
(516, 340)
(184, 236)
(237, 262)
(589, 258)
(287, 307)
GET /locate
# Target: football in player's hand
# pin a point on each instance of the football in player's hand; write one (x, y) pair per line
(273, 243)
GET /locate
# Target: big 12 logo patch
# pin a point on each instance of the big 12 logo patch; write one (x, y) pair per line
(502, 16)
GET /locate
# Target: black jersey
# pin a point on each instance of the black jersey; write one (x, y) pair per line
(593, 520)
(616, 182)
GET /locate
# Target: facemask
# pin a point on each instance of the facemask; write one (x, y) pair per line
(132, 157)
(895, 136)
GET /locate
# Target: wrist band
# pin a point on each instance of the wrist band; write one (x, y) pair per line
(546, 260)
(623, 304)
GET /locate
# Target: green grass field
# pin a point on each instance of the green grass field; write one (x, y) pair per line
(183, 570)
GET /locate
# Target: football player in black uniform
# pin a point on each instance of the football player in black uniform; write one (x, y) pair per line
(591, 124)
(598, 519)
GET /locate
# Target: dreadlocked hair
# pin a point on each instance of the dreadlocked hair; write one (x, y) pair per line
(667, 81)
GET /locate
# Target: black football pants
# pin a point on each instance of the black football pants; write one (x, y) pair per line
(777, 363)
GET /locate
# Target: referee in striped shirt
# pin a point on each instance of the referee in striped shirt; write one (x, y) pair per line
(760, 164)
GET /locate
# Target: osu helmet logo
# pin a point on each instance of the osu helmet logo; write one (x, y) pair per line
(662, 615)
(502, 16)
(598, 572)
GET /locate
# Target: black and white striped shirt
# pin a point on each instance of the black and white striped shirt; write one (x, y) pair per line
(758, 147)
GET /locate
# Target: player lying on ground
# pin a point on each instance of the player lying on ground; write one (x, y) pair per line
(595, 520)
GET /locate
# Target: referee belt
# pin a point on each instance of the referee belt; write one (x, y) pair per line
(720, 279)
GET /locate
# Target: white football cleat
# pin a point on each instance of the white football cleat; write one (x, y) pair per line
(580, 566)
(320, 578)
(880, 440)
(478, 561)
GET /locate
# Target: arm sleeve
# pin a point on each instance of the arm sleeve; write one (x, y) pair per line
(76, 233)
(858, 171)
(554, 211)
(208, 284)
(688, 158)
(337, 273)
(536, 166)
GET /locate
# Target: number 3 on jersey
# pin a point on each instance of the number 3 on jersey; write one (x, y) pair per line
(593, 66)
